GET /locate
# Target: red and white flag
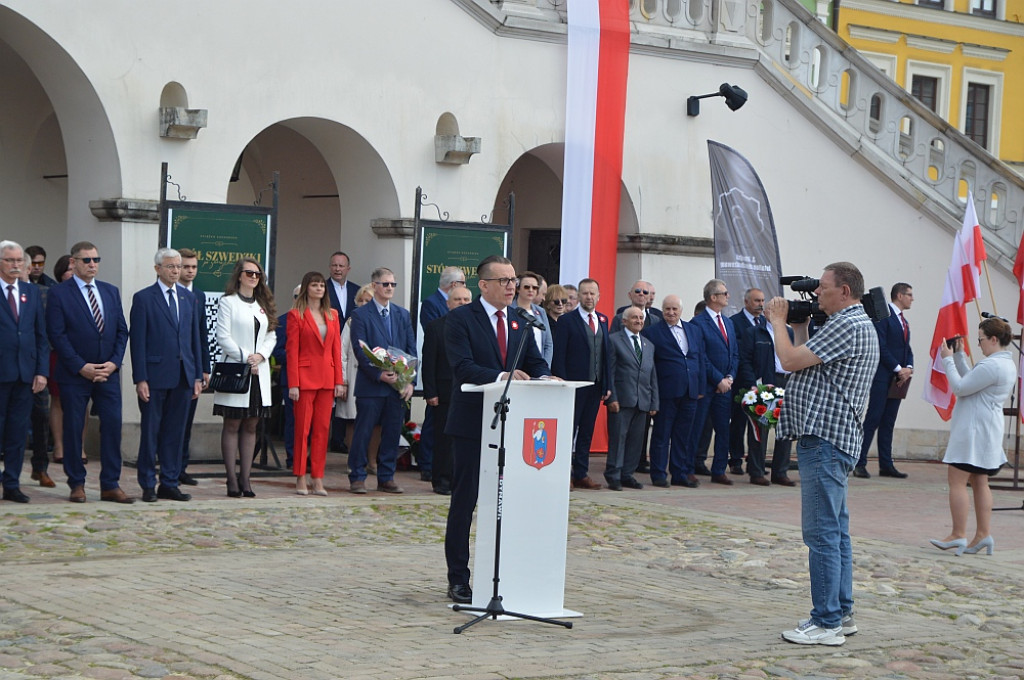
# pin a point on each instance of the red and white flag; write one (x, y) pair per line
(595, 112)
(963, 283)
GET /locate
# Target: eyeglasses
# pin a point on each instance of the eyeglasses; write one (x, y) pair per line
(456, 284)
(504, 282)
(172, 267)
(527, 286)
(559, 302)
(14, 260)
(88, 260)
(38, 263)
(253, 274)
(386, 284)
(721, 292)
(641, 291)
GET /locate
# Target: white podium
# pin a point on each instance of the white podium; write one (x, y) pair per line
(535, 503)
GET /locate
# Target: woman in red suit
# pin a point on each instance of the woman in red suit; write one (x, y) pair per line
(313, 352)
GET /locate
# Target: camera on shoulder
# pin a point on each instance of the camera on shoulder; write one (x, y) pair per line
(874, 302)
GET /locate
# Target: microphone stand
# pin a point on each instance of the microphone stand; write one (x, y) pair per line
(494, 608)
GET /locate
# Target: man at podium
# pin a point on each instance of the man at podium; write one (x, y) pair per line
(481, 340)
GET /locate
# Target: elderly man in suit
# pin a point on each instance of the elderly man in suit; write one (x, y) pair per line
(379, 324)
(638, 295)
(343, 300)
(87, 330)
(25, 364)
(680, 366)
(723, 357)
(895, 367)
(581, 353)
(189, 271)
(751, 315)
(634, 398)
(481, 343)
(168, 374)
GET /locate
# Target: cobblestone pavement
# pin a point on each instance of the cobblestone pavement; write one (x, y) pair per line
(672, 583)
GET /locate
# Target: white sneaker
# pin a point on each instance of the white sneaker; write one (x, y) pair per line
(849, 625)
(807, 633)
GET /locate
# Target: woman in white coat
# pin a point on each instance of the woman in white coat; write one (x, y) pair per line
(975, 450)
(246, 319)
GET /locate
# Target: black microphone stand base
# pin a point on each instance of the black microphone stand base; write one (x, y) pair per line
(494, 609)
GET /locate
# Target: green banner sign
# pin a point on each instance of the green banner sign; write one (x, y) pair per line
(220, 235)
(460, 246)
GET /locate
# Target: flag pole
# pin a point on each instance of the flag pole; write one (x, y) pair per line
(991, 293)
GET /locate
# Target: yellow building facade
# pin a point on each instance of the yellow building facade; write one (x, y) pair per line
(963, 59)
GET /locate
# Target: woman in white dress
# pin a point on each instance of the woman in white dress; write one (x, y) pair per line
(975, 450)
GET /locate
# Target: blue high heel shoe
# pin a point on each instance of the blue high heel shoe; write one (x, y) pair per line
(959, 543)
(988, 542)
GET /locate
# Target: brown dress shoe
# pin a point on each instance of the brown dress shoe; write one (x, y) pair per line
(43, 479)
(760, 481)
(721, 479)
(77, 494)
(116, 496)
(389, 487)
(586, 483)
(357, 487)
(783, 481)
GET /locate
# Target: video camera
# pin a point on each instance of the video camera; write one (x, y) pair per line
(875, 304)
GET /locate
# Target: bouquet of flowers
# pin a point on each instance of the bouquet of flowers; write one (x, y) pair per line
(393, 359)
(411, 433)
(763, 404)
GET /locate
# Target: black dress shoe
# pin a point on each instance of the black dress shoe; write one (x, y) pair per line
(684, 481)
(460, 593)
(702, 470)
(426, 476)
(631, 483)
(15, 495)
(231, 494)
(172, 493)
(149, 495)
(187, 479)
(892, 472)
(443, 489)
(736, 469)
(337, 447)
(783, 481)
(614, 484)
(643, 468)
(661, 483)
(861, 472)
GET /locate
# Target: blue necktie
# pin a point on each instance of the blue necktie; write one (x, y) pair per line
(387, 322)
(174, 307)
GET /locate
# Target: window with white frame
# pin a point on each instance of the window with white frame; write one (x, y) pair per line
(981, 107)
(929, 83)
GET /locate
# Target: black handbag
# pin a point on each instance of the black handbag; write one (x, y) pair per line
(230, 377)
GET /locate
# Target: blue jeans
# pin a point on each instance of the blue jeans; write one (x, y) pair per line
(826, 528)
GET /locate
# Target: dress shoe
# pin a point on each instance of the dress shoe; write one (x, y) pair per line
(660, 483)
(389, 487)
(460, 593)
(149, 495)
(783, 481)
(18, 497)
(643, 468)
(892, 472)
(357, 487)
(116, 496)
(339, 447)
(614, 485)
(172, 493)
(77, 494)
(702, 470)
(318, 489)
(960, 544)
(231, 494)
(685, 481)
(248, 493)
(693, 478)
(736, 469)
(187, 479)
(631, 483)
(43, 479)
(987, 543)
(426, 476)
(760, 481)
(443, 489)
(861, 472)
(721, 479)
(586, 483)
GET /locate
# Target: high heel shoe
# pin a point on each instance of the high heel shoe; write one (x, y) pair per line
(301, 490)
(252, 494)
(988, 542)
(959, 543)
(234, 494)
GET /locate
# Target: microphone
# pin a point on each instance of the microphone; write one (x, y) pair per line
(989, 315)
(529, 318)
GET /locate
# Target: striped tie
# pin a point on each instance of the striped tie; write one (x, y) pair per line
(95, 306)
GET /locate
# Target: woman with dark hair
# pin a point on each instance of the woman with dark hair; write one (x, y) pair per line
(246, 318)
(975, 450)
(313, 349)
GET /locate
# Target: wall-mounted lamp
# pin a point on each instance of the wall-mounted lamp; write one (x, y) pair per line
(735, 97)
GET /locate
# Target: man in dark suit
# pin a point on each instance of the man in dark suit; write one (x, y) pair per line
(87, 330)
(35, 260)
(343, 300)
(758, 362)
(581, 353)
(481, 343)
(634, 398)
(652, 309)
(280, 355)
(723, 357)
(25, 364)
(189, 271)
(379, 324)
(895, 366)
(166, 367)
(680, 366)
(437, 390)
(638, 296)
(739, 425)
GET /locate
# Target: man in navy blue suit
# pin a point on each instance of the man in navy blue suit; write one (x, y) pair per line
(744, 320)
(343, 300)
(25, 364)
(481, 343)
(379, 324)
(680, 365)
(581, 353)
(87, 330)
(895, 366)
(189, 271)
(166, 368)
(723, 357)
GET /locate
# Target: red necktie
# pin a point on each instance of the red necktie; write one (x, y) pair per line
(906, 328)
(502, 340)
(11, 302)
(721, 327)
(590, 320)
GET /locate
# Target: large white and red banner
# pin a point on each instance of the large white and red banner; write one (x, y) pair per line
(962, 286)
(595, 111)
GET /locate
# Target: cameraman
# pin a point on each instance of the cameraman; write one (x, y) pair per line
(824, 411)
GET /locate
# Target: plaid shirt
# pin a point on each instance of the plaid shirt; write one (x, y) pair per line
(829, 399)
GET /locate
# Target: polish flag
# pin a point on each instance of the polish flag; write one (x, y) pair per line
(963, 282)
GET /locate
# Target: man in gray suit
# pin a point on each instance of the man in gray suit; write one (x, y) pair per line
(634, 397)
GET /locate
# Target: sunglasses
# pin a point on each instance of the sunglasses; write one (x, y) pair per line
(641, 291)
(559, 302)
(253, 274)
(88, 260)
(526, 286)
(386, 284)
